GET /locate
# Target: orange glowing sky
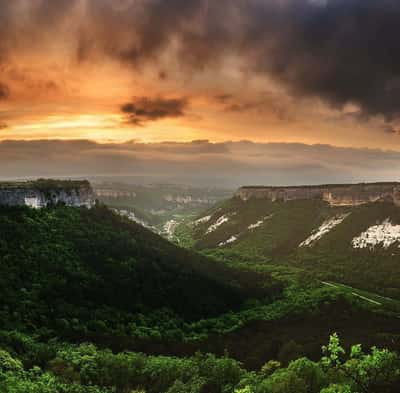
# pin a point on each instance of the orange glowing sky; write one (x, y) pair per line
(67, 71)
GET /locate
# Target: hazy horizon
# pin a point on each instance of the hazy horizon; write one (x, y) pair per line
(201, 163)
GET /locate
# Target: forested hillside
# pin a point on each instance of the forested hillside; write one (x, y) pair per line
(89, 269)
(87, 369)
(94, 303)
(354, 245)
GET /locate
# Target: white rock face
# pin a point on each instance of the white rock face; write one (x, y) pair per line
(259, 223)
(232, 239)
(33, 202)
(326, 227)
(385, 234)
(256, 225)
(221, 220)
(131, 216)
(39, 194)
(202, 220)
(170, 227)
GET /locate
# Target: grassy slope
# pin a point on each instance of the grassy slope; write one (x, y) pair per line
(332, 257)
(288, 224)
(376, 270)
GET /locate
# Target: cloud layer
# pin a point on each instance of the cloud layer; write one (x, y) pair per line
(229, 164)
(342, 51)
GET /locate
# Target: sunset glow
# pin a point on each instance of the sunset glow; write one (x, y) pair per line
(153, 71)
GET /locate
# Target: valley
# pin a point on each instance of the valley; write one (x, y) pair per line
(159, 207)
(257, 285)
(199, 196)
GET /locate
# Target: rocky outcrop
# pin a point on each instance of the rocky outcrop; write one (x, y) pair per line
(334, 194)
(42, 193)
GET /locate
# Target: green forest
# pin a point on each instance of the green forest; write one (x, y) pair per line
(199, 196)
(92, 302)
(29, 366)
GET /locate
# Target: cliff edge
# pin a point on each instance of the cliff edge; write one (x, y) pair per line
(334, 194)
(44, 192)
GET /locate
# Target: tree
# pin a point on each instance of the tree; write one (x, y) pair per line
(8, 363)
(337, 389)
(377, 371)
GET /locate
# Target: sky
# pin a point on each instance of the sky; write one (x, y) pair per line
(250, 91)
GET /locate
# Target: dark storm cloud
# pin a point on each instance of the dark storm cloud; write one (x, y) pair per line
(23, 22)
(342, 51)
(144, 109)
(50, 12)
(7, 26)
(143, 29)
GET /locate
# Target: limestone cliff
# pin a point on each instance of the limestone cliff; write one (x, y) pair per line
(43, 192)
(334, 194)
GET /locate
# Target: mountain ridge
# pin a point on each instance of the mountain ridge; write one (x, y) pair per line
(335, 194)
(357, 245)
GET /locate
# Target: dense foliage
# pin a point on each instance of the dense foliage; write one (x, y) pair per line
(79, 270)
(163, 318)
(27, 366)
